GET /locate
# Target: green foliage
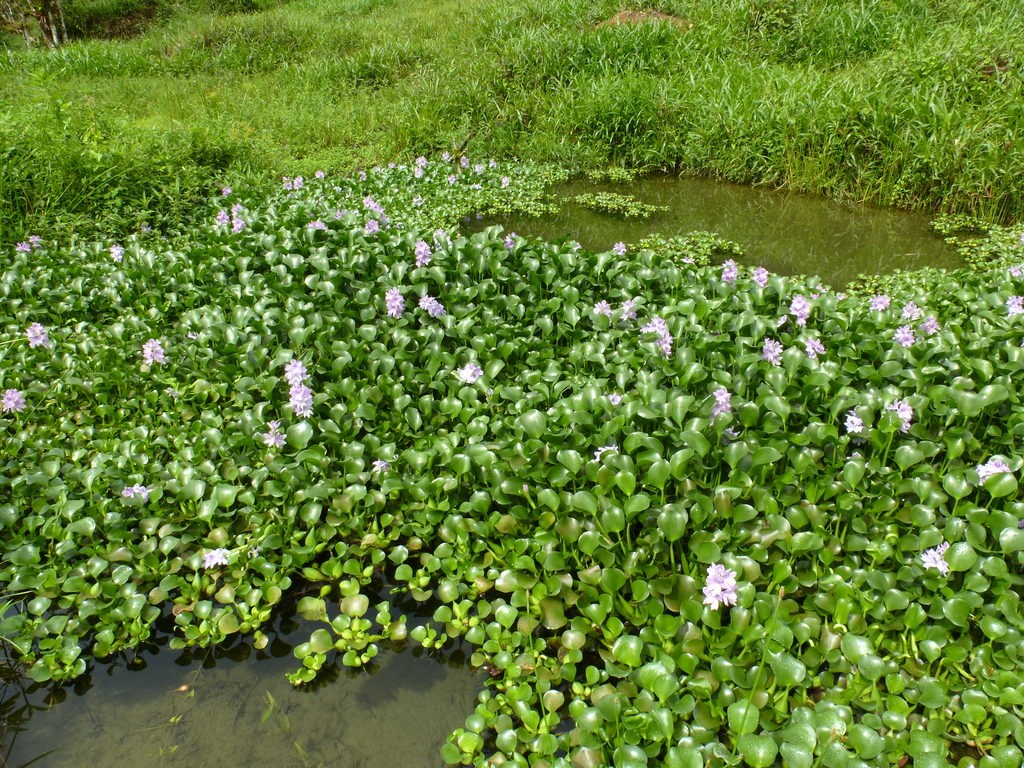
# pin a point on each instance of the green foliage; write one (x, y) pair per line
(906, 103)
(624, 206)
(560, 511)
(699, 248)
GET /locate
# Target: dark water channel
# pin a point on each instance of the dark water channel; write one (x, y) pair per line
(233, 706)
(784, 232)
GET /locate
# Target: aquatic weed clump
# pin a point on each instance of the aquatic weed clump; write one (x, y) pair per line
(684, 513)
(614, 204)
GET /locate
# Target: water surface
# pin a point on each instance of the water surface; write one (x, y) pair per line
(233, 706)
(785, 232)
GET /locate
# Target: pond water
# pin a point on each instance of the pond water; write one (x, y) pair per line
(233, 706)
(784, 232)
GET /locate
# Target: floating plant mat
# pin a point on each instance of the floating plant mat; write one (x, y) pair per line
(234, 705)
(786, 233)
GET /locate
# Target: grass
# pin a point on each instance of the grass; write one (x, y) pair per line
(906, 103)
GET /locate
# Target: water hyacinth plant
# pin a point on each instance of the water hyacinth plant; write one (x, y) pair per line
(677, 538)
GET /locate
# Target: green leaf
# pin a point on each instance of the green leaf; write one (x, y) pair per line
(789, 671)
(743, 717)
(757, 751)
(961, 556)
(321, 641)
(866, 742)
(627, 650)
(1001, 484)
(299, 435)
(1011, 540)
(534, 423)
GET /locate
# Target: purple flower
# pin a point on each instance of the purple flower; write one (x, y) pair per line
(933, 558)
(614, 398)
(215, 557)
(1017, 271)
(446, 156)
(510, 241)
(295, 372)
(619, 249)
(730, 271)
(813, 348)
(372, 227)
(225, 191)
(603, 308)
(801, 309)
(880, 303)
(136, 492)
(422, 253)
(911, 311)
(395, 302)
(905, 336)
(469, 373)
(723, 402)
(117, 253)
(464, 161)
(431, 306)
(272, 438)
(237, 225)
(992, 467)
(930, 326)
(612, 447)
(36, 241)
(761, 276)
(300, 400)
(421, 162)
(629, 309)
(505, 181)
(36, 335)
(1015, 305)
(379, 465)
(13, 401)
(478, 168)
(451, 178)
(297, 183)
(720, 588)
(664, 340)
(316, 224)
(772, 351)
(222, 218)
(417, 172)
(903, 410)
(23, 248)
(152, 352)
(373, 206)
(854, 423)
(319, 174)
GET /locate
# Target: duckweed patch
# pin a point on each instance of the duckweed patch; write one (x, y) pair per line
(685, 513)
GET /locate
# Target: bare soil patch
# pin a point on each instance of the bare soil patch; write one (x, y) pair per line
(641, 17)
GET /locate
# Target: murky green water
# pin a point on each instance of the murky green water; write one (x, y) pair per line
(785, 233)
(234, 707)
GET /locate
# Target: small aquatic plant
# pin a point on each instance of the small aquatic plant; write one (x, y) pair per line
(624, 206)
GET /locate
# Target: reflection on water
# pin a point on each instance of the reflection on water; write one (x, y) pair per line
(233, 706)
(786, 233)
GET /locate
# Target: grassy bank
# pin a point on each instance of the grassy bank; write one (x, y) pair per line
(907, 103)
